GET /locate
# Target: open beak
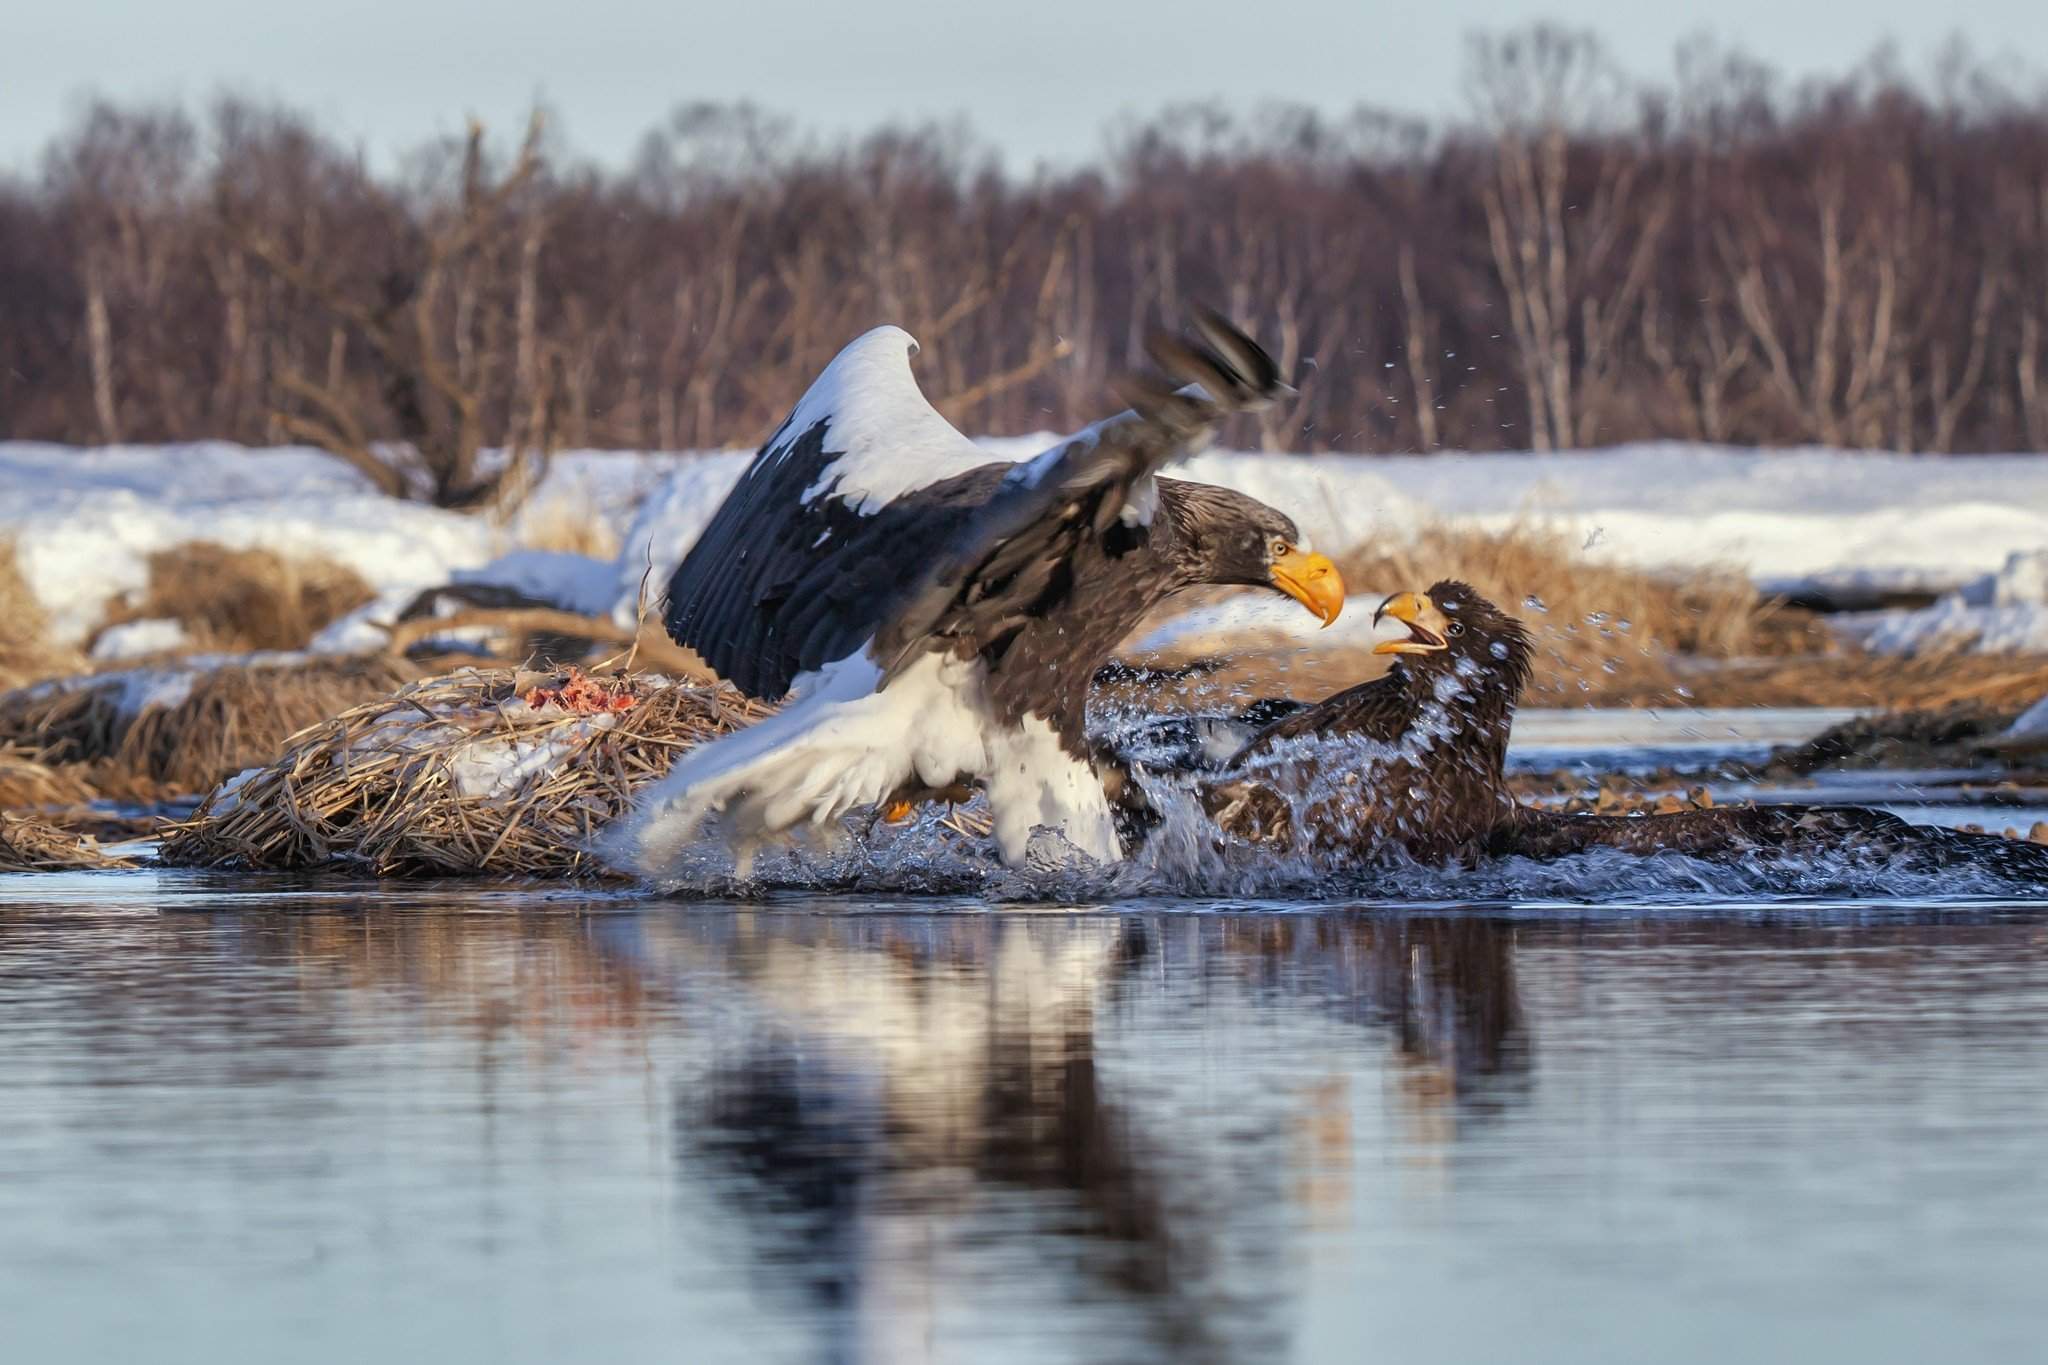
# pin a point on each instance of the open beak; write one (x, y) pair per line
(1426, 625)
(1312, 580)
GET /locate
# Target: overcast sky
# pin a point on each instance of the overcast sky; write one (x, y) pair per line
(1039, 79)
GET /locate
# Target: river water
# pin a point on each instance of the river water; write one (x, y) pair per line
(246, 1119)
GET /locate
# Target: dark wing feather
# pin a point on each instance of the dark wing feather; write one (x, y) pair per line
(1379, 710)
(1016, 557)
(777, 586)
(789, 576)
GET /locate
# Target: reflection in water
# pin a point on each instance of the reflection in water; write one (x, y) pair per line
(513, 1130)
(911, 1091)
(906, 1094)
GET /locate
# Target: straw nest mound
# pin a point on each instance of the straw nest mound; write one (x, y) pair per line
(29, 845)
(496, 771)
(148, 734)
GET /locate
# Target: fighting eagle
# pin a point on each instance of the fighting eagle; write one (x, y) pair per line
(934, 617)
(1416, 761)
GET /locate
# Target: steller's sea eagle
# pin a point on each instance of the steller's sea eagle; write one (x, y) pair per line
(1415, 763)
(935, 617)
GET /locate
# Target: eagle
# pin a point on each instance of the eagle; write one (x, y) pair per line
(933, 617)
(1416, 757)
(1416, 761)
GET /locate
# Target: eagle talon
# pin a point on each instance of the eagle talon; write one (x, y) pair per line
(898, 812)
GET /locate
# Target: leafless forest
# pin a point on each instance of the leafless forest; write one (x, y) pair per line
(1585, 260)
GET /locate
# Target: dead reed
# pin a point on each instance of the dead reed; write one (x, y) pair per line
(30, 845)
(150, 734)
(28, 783)
(236, 600)
(1596, 624)
(463, 774)
(26, 653)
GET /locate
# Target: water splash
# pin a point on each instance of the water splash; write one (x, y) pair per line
(1184, 856)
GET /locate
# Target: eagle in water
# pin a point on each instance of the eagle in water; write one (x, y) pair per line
(1416, 760)
(934, 616)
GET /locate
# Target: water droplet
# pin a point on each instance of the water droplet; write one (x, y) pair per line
(1534, 603)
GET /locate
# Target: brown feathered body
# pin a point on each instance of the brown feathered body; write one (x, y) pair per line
(1414, 759)
(1415, 762)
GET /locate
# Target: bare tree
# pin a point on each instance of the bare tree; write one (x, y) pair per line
(425, 329)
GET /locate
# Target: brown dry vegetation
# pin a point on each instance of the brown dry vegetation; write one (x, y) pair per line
(235, 600)
(26, 654)
(376, 786)
(26, 782)
(1609, 635)
(573, 525)
(28, 845)
(232, 718)
(1602, 631)
(1597, 626)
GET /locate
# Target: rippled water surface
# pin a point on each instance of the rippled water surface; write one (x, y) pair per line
(257, 1121)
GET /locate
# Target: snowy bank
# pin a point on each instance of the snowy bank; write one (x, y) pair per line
(84, 523)
(86, 520)
(1792, 519)
(2005, 612)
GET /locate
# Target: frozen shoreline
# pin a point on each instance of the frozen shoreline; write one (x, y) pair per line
(85, 520)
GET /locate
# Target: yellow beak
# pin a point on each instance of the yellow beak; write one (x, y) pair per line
(1313, 581)
(1426, 625)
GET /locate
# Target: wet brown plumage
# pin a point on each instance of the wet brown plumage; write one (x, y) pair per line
(1416, 762)
(1416, 757)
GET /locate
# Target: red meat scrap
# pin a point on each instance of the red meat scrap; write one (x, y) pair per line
(580, 694)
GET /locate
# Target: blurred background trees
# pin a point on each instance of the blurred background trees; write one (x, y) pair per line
(1858, 262)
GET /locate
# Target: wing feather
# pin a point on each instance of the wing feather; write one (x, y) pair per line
(814, 506)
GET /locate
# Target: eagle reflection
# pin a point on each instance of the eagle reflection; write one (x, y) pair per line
(1029, 1114)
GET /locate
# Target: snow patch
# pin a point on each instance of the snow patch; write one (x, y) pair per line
(1952, 624)
(572, 582)
(84, 523)
(667, 524)
(499, 765)
(2032, 723)
(140, 639)
(2022, 581)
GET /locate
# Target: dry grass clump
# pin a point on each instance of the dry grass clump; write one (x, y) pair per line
(28, 845)
(469, 773)
(70, 720)
(238, 716)
(26, 654)
(572, 523)
(1592, 621)
(212, 721)
(235, 600)
(26, 782)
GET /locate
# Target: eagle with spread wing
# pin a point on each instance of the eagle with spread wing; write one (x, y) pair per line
(933, 616)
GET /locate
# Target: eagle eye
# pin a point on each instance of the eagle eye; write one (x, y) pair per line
(1280, 548)
(1455, 628)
